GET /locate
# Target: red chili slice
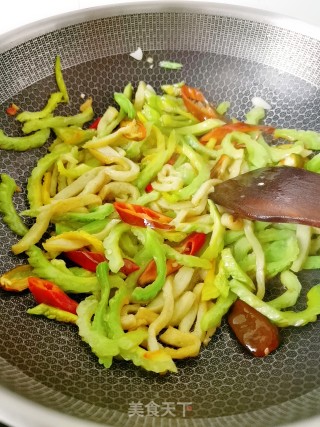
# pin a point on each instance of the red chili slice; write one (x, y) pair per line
(192, 244)
(196, 103)
(90, 260)
(141, 216)
(45, 292)
(129, 267)
(86, 259)
(95, 123)
(219, 133)
(148, 188)
(150, 273)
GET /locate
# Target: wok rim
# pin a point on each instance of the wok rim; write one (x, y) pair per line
(35, 29)
(30, 413)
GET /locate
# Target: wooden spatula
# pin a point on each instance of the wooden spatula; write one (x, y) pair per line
(275, 194)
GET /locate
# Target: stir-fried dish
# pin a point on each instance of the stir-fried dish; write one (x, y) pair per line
(126, 243)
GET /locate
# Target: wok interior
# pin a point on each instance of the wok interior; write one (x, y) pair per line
(46, 361)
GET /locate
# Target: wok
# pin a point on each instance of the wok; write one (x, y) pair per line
(48, 376)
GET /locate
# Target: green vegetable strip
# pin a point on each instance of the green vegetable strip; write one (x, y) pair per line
(74, 135)
(304, 234)
(234, 270)
(310, 139)
(113, 321)
(256, 153)
(232, 236)
(108, 117)
(54, 100)
(181, 161)
(218, 285)
(168, 111)
(255, 115)
(173, 122)
(112, 249)
(24, 143)
(187, 260)
(313, 164)
(281, 318)
(270, 233)
(108, 316)
(217, 236)
(203, 174)
(128, 245)
(125, 104)
(312, 262)
(98, 323)
(155, 165)
(62, 276)
(291, 295)
(213, 317)
(128, 91)
(223, 108)
(150, 114)
(34, 187)
(173, 89)
(60, 80)
(200, 128)
(94, 227)
(73, 172)
(228, 147)
(243, 255)
(200, 148)
(221, 282)
(129, 342)
(170, 65)
(260, 258)
(96, 214)
(276, 154)
(64, 227)
(10, 216)
(59, 121)
(148, 198)
(289, 251)
(103, 347)
(139, 98)
(162, 363)
(112, 125)
(154, 247)
(53, 313)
